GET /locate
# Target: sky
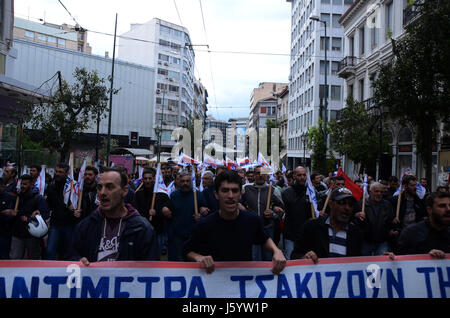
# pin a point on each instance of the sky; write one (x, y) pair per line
(237, 26)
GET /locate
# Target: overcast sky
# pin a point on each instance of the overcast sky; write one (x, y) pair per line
(261, 26)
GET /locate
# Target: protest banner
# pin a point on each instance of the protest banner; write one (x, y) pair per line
(417, 276)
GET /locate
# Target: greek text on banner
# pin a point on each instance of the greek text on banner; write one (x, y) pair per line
(417, 276)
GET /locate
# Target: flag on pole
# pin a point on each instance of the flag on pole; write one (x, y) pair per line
(39, 186)
(311, 192)
(138, 181)
(231, 164)
(209, 161)
(201, 181)
(78, 186)
(262, 161)
(160, 186)
(353, 187)
(185, 160)
(365, 185)
(421, 191)
(194, 181)
(68, 186)
(283, 169)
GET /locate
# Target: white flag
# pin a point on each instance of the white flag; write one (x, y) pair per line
(311, 192)
(69, 181)
(78, 186)
(420, 191)
(160, 186)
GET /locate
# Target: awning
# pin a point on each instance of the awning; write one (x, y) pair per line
(133, 151)
(13, 94)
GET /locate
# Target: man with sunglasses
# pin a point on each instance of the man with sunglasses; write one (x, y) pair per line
(333, 235)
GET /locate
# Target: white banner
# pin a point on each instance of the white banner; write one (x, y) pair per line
(416, 276)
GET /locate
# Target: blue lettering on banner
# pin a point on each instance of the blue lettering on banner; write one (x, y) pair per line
(54, 282)
(241, 280)
(20, 288)
(319, 285)
(302, 285)
(2, 287)
(118, 285)
(148, 281)
(442, 283)
(259, 282)
(171, 293)
(337, 278)
(426, 271)
(100, 291)
(396, 283)
(283, 287)
(360, 278)
(196, 285)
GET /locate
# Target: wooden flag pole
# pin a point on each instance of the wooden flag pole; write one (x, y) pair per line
(326, 201)
(17, 203)
(80, 199)
(139, 187)
(269, 196)
(153, 205)
(313, 213)
(397, 213)
(195, 203)
(364, 202)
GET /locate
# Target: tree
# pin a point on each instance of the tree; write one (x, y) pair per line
(415, 87)
(316, 143)
(74, 109)
(355, 136)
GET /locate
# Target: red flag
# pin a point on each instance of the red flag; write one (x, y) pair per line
(349, 184)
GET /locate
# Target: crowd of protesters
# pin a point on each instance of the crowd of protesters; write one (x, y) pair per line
(242, 215)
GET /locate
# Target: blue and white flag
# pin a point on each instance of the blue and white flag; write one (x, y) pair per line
(68, 186)
(171, 188)
(311, 192)
(138, 181)
(365, 185)
(420, 191)
(160, 186)
(200, 188)
(194, 181)
(78, 186)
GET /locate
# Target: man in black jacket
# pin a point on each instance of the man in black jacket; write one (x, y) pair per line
(297, 209)
(30, 205)
(376, 222)
(115, 231)
(62, 218)
(7, 213)
(88, 203)
(143, 203)
(430, 236)
(333, 236)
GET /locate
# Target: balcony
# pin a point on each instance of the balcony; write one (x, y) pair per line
(346, 67)
(410, 13)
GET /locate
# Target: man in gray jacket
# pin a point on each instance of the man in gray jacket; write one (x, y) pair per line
(254, 198)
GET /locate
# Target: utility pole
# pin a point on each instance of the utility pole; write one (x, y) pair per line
(108, 145)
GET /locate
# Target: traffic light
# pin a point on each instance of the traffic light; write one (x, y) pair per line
(134, 138)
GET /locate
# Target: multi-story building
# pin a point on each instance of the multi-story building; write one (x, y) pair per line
(282, 118)
(132, 109)
(238, 127)
(63, 36)
(200, 101)
(166, 47)
(263, 104)
(369, 27)
(308, 67)
(13, 93)
(213, 129)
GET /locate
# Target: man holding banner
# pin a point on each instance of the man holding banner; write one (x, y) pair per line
(115, 231)
(331, 236)
(432, 235)
(297, 209)
(229, 234)
(187, 210)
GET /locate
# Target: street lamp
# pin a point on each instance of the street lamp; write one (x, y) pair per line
(325, 115)
(159, 130)
(304, 140)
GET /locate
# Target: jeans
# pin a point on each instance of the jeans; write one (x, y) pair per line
(374, 249)
(20, 245)
(288, 248)
(258, 251)
(59, 241)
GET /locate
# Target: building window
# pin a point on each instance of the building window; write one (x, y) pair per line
(163, 57)
(29, 34)
(322, 91)
(42, 37)
(336, 44)
(51, 39)
(335, 22)
(348, 2)
(325, 1)
(374, 32)
(62, 42)
(263, 110)
(335, 92)
(324, 43)
(324, 67)
(361, 90)
(325, 17)
(80, 48)
(361, 40)
(337, 2)
(389, 19)
(334, 68)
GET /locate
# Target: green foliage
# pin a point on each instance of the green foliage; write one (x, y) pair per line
(356, 135)
(415, 87)
(74, 109)
(316, 143)
(103, 151)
